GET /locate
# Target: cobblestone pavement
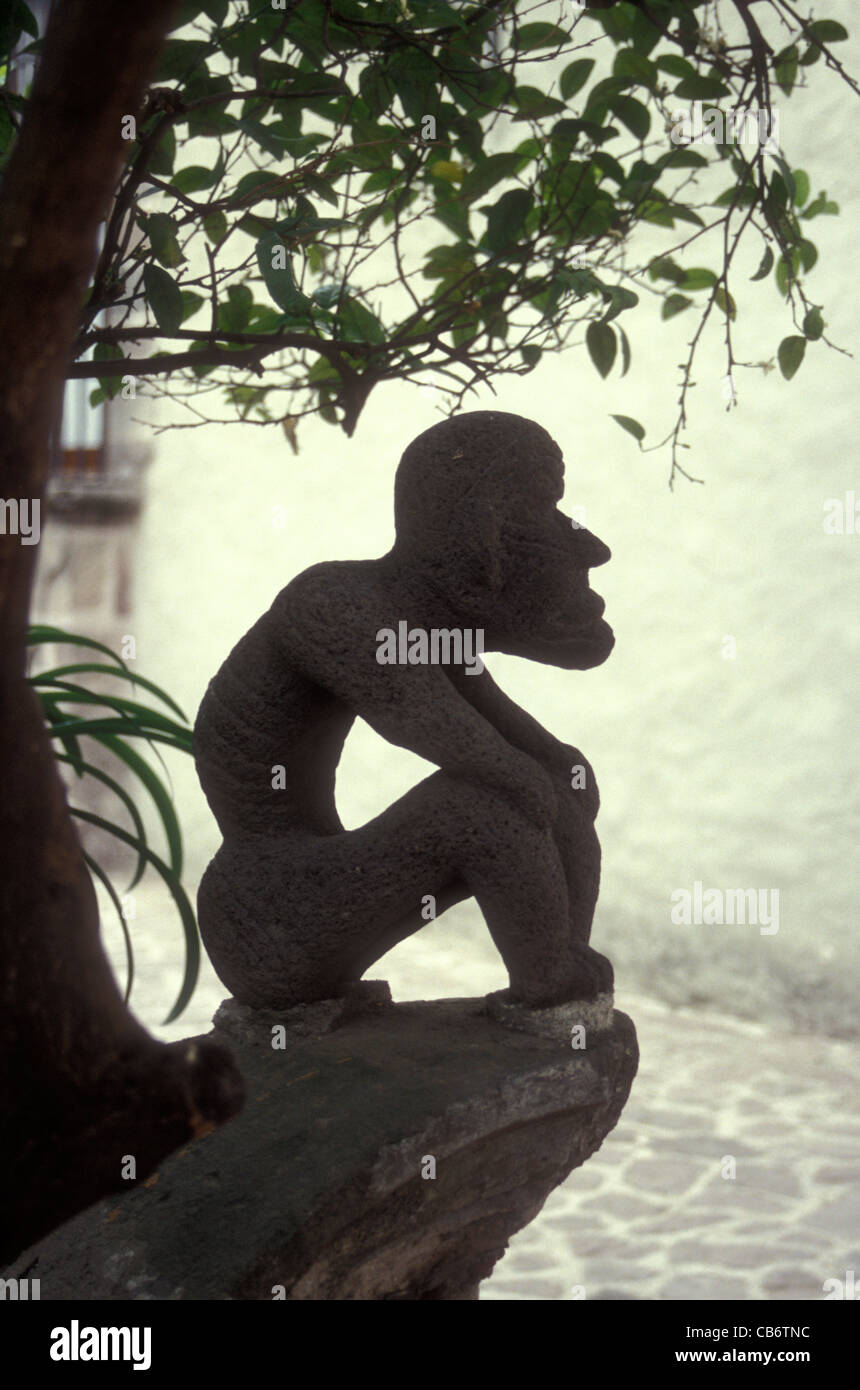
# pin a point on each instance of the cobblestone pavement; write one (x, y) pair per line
(651, 1215)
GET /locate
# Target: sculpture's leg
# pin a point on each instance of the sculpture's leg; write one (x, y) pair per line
(293, 920)
(579, 848)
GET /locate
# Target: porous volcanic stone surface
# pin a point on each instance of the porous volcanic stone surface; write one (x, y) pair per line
(317, 1189)
(294, 907)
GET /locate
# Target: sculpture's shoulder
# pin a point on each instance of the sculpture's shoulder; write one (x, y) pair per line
(325, 607)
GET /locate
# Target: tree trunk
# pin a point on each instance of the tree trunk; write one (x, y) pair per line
(82, 1084)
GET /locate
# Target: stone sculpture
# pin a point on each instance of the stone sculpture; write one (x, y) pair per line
(294, 908)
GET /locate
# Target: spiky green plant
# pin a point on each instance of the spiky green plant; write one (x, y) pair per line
(127, 719)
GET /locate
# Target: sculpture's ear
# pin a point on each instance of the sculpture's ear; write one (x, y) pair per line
(477, 537)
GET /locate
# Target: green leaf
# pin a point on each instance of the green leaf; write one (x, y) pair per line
(675, 66)
(801, 186)
(679, 157)
(539, 35)
(159, 794)
(633, 114)
(664, 268)
(123, 673)
(163, 297)
(506, 218)
(601, 93)
(629, 63)
(380, 180)
(162, 157)
(608, 164)
(808, 254)
(234, 313)
(698, 278)
(211, 120)
(465, 332)
(533, 105)
(254, 226)
(575, 76)
(631, 426)
(787, 268)
(490, 171)
(126, 800)
(620, 298)
(108, 352)
(602, 346)
(276, 268)
(261, 183)
(675, 304)
(327, 296)
(684, 214)
(726, 302)
(215, 226)
(96, 869)
(162, 232)
(177, 892)
(415, 78)
(766, 264)
(618, 22)
(359, 323)
(321, 188)
(791, 354)
(787, 179)
(22, 18)
(59, 731)
(122, 725)
(785, 68)
(193, 178)
(531, 354)
(813, 324)
(827, 31)
(821, 204)
(140, 719)
(701, 88)
(179, 58)
(625, 351)
(39, 633)
(190, 303)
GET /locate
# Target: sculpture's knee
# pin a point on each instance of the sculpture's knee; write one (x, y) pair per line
(483, 835)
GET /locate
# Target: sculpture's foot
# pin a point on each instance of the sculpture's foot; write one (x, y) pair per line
(556, 1020)
(246, 1024)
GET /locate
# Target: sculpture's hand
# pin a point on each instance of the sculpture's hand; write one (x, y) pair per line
(515, 724)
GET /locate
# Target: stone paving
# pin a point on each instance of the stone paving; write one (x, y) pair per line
(656, 1214)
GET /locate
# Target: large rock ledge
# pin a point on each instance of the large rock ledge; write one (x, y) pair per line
(317, 1190)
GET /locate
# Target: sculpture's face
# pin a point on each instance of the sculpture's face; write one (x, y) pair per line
(546, 609)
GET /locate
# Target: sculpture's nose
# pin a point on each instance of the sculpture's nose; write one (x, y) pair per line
(589, 550)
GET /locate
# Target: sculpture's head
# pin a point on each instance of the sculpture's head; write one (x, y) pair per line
(475, 508)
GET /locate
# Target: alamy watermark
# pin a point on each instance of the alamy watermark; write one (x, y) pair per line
(21, 517)
(718, 907)
(438, 646)
(76, 1343)
(712, 125)
(842, 516)
(20, 1290)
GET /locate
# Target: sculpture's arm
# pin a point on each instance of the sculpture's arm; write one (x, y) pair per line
(520, 728)
(513, 722)
(330, 637)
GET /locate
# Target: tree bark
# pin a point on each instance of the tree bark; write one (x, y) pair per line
(82, 1084)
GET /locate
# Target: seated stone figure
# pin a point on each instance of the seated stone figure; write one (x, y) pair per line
(293, 908)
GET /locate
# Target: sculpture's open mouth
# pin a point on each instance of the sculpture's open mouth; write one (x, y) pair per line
(594, 628)
(577, 624)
